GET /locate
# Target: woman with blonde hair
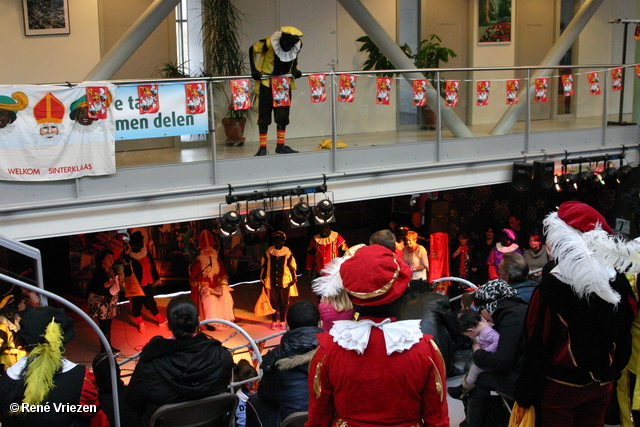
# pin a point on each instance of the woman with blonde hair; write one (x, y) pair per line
(332, 308)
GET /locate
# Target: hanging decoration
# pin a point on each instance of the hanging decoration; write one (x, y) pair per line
(317, 87)
(451, 93)
(195, 97)
(347, 91)
(420, 93)
(241, 94)
(483, 87)
(148, 99)
(383, 91)
(542, 89)
(281, 91)
(616, 78)
(512, 91)
(567, 84)
(594, 83)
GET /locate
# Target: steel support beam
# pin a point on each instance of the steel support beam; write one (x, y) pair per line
(553, 57)
(390, 48)
(132, 40)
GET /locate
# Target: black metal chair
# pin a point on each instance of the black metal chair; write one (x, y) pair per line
(297, 419)
(220, 409)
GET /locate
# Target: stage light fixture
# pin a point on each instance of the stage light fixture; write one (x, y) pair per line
(230, 223)
(609, 176)
(569, 182)
(625, 172)
(299, 214)
(324, 212)
(255, 220)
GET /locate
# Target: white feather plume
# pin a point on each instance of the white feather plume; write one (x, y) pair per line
(329, 284)
(587, 261)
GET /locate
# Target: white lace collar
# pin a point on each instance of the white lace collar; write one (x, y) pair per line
(284, 56)
(354, 335)
(139, 255)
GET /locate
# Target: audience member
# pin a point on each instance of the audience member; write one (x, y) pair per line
(505, 245)
(465, 264)
(536, 256)
(521, 236)
(187, 366)
(471, 324)
(102, 372)
(579, 320)
(45, 377)
(334, 308)
(283, 387)
(499, 304)
(103, 295)
(387, 239)
(416, 256)
(484, 246)
(515, 271)
(242, 372)
(375, 371)
(10, 349)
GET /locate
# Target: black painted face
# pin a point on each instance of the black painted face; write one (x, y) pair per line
(278, 242)
(287, 41)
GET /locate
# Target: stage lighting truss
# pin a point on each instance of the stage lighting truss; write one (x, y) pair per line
(300, 213)
(590, 177)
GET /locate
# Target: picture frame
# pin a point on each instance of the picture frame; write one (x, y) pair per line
(45, 17)
(495, 22)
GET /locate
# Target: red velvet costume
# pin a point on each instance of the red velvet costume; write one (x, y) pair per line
(340, 383)
(323, 249)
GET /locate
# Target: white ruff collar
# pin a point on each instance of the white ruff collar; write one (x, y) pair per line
(284, 56)
(139, 255)
(354, 335)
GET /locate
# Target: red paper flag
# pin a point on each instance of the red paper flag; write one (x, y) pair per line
(383, 90)
(347, 91)
(280, 91)
(594, 83)
(317, 85)
(567, 84)
(542, 89)
(483, 87)
(241, 94)
(512, 91)
(637, 67)
(616, 79)
(148, 99)
(420, 93)
(451, 93)
(195, 96)
(98, 102)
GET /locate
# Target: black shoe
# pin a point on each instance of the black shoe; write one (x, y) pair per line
(284, 149)
(210, 328)
(262, 151)
(456, 392)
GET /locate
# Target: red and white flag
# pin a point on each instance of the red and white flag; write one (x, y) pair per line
(451, 93)
(512, 91)
(542, 89)
(195, 96)
(347, 90)
(241, 94)
(567, 84)
(594, 83)
(383, 90)
(280, 91)
(317, 86)
(420, 93)
(148, 99)
(483, 87)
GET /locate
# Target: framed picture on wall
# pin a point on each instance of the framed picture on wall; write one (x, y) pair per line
(494, 21)
(45, 17)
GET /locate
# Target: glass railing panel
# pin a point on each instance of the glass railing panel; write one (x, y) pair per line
(309, 124)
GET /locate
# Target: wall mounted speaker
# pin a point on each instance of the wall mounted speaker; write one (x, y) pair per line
(543, 174)
(522, 176)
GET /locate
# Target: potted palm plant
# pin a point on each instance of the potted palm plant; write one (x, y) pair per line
(429, 54)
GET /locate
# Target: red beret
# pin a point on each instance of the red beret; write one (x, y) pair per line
(582, 217)
(373, 276)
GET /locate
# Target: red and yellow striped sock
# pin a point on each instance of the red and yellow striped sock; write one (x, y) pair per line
(280, 137)
(263, 140)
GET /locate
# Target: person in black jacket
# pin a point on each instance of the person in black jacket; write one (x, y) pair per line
(498, 303)
(283, 388)
(187, 366)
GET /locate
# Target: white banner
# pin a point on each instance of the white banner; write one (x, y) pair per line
(53, 132)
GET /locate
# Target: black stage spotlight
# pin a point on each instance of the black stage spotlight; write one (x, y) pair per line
(609, 176)
(299, 215)
(543, 174)
(569, 182)
(229, 223)
(587, 180)
(624, 172)
(324, 211)
(522, 175)
(255, 220)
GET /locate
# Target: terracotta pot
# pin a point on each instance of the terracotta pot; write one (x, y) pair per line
(234, 131)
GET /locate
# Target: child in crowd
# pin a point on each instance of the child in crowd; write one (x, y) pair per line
(334, 308)
(243, 371)
(473, 325)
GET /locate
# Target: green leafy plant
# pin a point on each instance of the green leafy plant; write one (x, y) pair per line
(428, 54)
